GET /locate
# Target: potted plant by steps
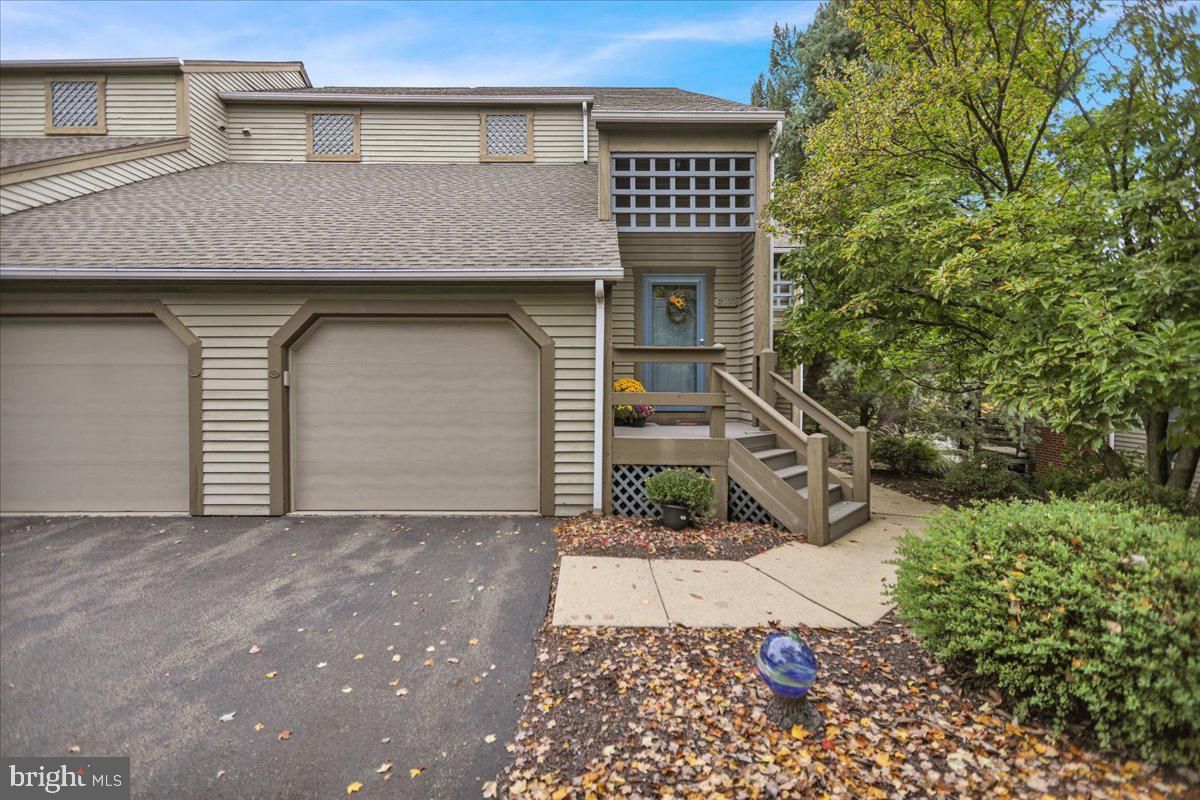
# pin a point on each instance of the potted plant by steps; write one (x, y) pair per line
(631, 415)
(682, 494)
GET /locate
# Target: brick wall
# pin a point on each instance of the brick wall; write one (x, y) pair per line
(1048, 450)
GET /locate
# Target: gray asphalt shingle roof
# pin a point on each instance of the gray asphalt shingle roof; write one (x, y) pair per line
(608, 98)
(360, 216)
(15, 150)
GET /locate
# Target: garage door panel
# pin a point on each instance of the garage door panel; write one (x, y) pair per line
(91, 488)
(93, 416)
(429, 342)
(417, 485)
(512, 435)
(415, 415)
(88, 341)
(94, 389)
(407, 389)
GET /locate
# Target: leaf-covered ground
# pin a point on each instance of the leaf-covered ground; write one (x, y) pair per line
(587, 535)
(680, 713)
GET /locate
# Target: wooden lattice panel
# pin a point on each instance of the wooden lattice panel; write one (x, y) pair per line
(507, 134)
(629, 496)
(683, 192)
(333, 134)
(74, 104)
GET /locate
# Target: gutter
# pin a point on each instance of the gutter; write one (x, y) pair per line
(764, 118)
(601, 397)
(92, 63)
(314, 273)
(408, 99)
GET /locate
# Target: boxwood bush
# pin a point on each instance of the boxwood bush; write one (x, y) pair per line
(986, 476)
(908, 454)
(1078, 611)
(1138, 491)
(682, 487)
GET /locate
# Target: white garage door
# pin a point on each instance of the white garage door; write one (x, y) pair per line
(415, 415)
(93, 416)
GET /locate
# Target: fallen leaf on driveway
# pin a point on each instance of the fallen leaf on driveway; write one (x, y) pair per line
(472, 641)
(354, 787)
(490, 789)
(415, 771)
(73, 748)
(227, 717)
(384, 767)
(254, 649)
(284, 735)
(396, 657)
(452, 660)
(491, 737)
(220, 774)
(322, 664)
(401, 692)
(358, 657)
(347, 689)
(271, 674)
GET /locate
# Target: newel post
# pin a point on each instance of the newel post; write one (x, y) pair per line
(862, 466)
(716, 430)
(818, 489)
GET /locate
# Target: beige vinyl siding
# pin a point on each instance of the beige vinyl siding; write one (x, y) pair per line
(402, 135)
(685, 254)
(22, 105)
(234, 329)
(745, 352)
(135, 105)
(140, 105)
(420, 135)
(206, 145)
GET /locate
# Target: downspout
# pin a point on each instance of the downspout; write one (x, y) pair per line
(601, 398)
(585, 132)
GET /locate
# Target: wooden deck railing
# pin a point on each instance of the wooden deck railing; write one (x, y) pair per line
(857, 439)
(711, 452)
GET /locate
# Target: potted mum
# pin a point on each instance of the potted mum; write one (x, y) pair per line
(631, 415)
(683, 496)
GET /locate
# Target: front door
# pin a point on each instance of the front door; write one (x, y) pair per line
(674, 312)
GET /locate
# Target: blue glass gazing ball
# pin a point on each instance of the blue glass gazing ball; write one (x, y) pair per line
(787, 665)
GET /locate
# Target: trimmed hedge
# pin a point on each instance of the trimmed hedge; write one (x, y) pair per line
(908, 454)
(1139, 491)
(1078, 611)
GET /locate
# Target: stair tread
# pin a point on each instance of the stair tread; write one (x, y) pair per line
(834, 488)
(843, 508)
(792, 471)
(773, 452)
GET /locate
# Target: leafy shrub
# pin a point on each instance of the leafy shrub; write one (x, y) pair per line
(682, 487)
(985, 475)
(1139, 491)
(1078, 471)
(908, 454)
(1079, 611)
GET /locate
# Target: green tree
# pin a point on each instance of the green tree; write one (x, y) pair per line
(969, 223)
(797, 58)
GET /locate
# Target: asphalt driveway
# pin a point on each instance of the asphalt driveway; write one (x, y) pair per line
(133, 637)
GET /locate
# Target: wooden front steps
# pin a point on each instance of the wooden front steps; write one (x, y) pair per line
(785, 478)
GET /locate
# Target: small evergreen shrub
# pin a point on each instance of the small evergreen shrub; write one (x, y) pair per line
(985, 476)
(908, 454)
(1138, 491)
(1078, 611)
(682, 487)
(1078, 471)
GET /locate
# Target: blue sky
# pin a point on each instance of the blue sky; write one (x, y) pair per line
(712, 47)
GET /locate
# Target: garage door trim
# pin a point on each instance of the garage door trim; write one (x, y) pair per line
(141, 308)
(278, 354)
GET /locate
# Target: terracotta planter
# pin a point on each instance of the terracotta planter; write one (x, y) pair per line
(675, 517)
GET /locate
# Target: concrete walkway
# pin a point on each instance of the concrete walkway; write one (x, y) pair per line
(837, 586)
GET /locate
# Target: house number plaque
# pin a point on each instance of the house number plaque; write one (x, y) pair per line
(727, 301)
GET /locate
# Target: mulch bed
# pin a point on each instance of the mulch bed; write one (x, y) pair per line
(675, 712)
(587, 535)
(931, 490)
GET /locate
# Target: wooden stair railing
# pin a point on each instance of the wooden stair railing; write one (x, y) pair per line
(812, 449)
(857, 439)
